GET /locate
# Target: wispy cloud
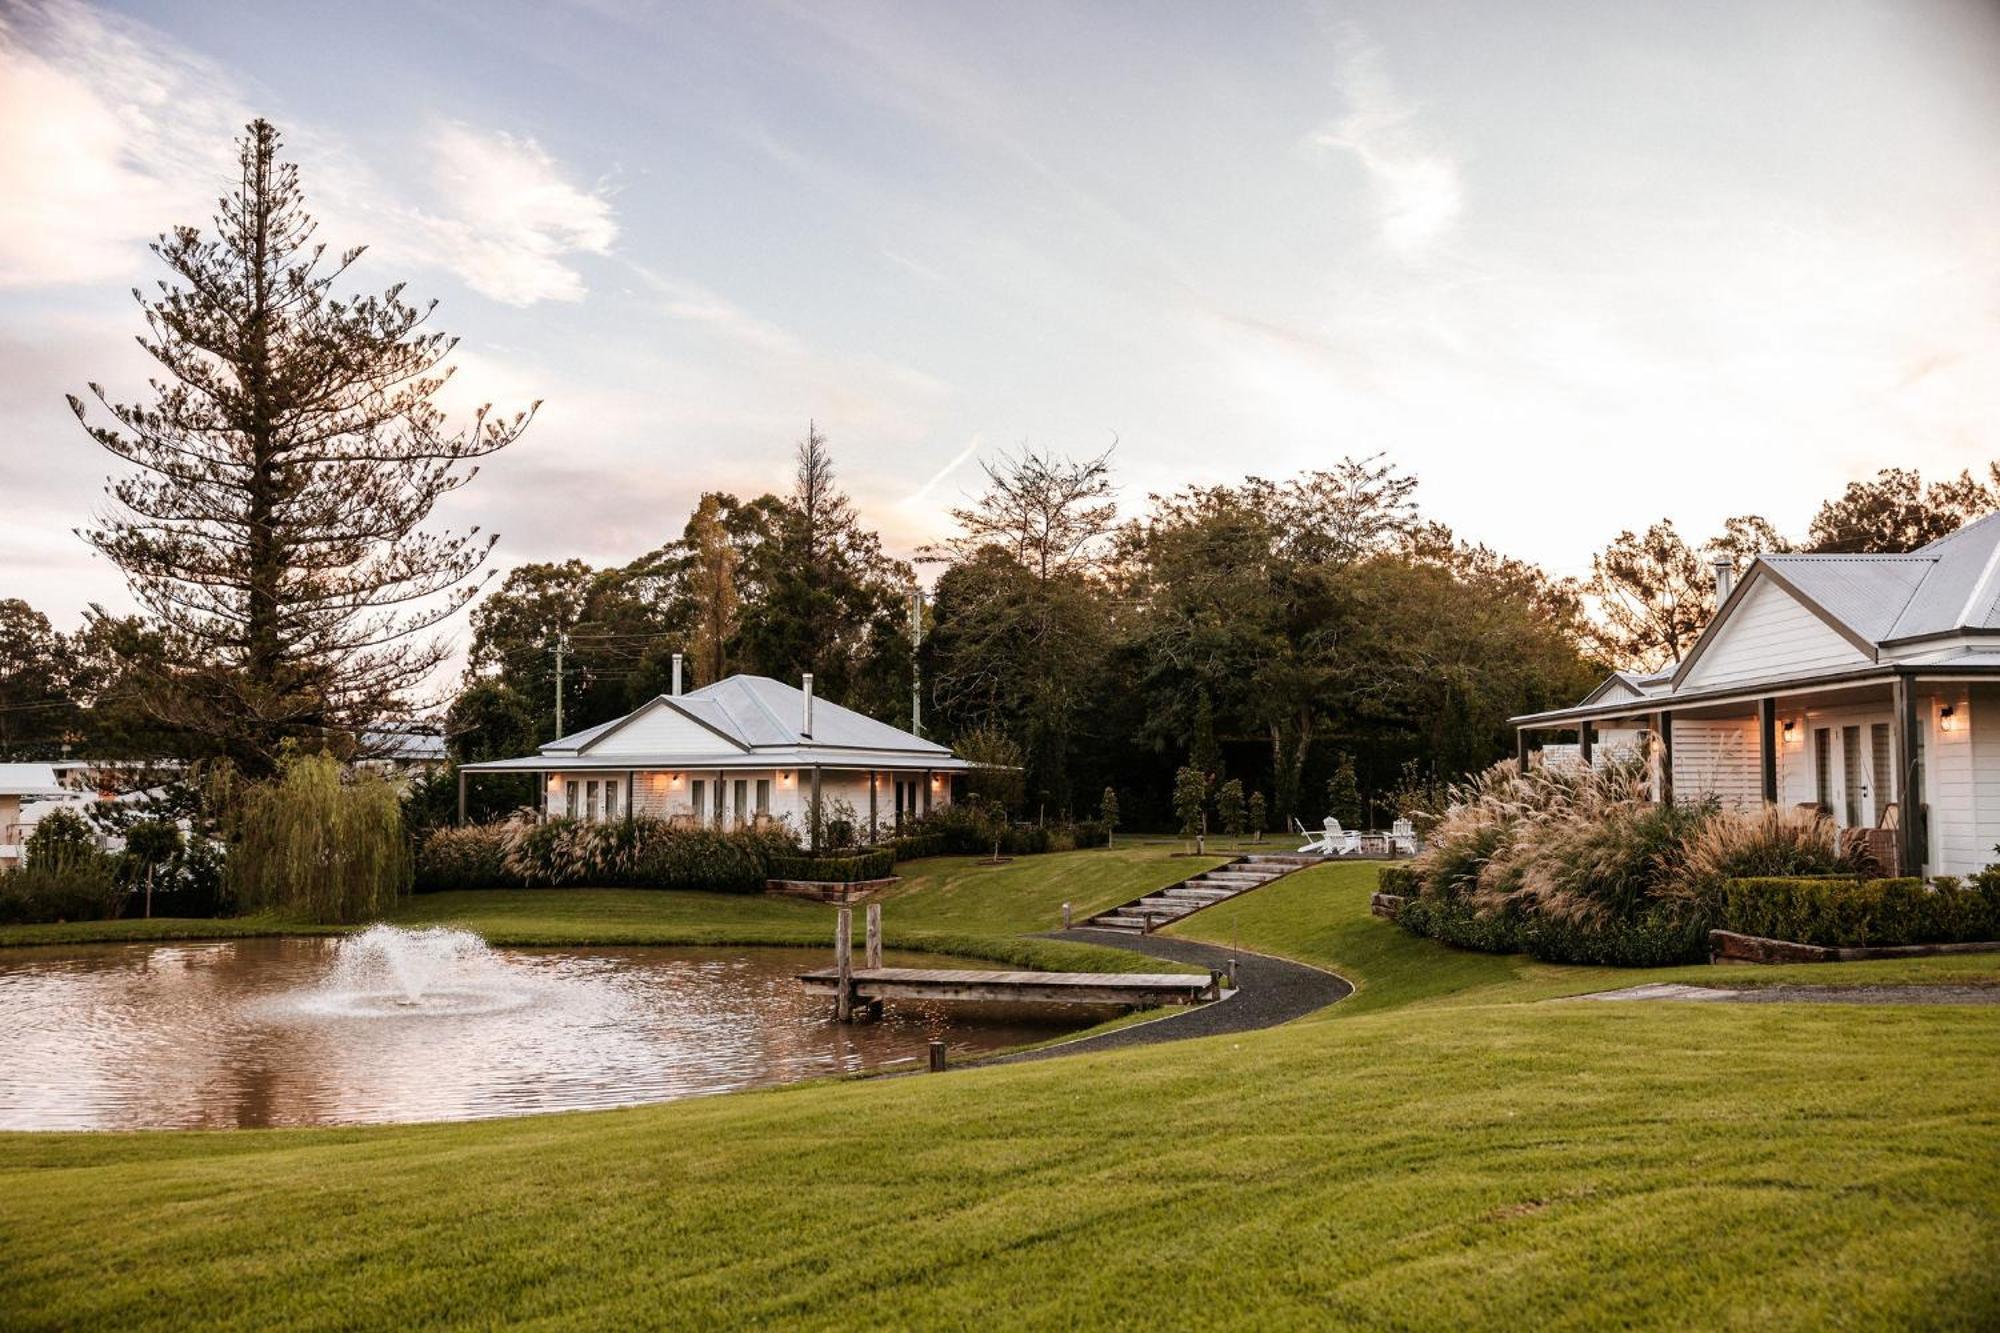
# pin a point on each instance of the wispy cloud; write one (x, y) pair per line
(114, 131)
(509, 220)
(106, 135)
(1416, 185)
(958, 460)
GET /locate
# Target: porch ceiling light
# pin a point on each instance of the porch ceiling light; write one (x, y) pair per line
(1793, 736)
(1948, 719)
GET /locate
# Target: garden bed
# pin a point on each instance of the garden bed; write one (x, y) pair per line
(830, 890)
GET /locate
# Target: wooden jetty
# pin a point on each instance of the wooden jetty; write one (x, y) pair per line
(866, 987)
(871, 984)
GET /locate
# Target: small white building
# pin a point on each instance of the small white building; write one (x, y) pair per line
(19, 783)
(1867, 686)
(744, 749)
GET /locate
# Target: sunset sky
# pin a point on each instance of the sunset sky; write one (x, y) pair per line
(1574, 265)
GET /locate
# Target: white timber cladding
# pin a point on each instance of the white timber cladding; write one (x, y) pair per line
(1718, 758)
(658, 729)
(1983, 732)
(671, 794)
(1951, 783)
(1771, 635)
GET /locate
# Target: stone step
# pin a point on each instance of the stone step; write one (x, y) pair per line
(1200, 891)
(1166, 906)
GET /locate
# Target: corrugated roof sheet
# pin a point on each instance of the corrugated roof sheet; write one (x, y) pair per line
(1866, 592)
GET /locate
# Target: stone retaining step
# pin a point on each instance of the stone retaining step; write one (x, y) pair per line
(1198, 891)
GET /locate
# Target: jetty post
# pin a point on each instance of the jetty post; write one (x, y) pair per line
(874, 955)
(843, 964)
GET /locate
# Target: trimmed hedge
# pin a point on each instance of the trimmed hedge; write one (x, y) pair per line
(878, 864)
(1852, 913)
(1658, 937)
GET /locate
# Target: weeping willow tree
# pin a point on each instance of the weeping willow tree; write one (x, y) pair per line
(316, 843)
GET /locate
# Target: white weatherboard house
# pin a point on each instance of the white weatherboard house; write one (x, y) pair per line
(19, 782)
(1865, 685)
(731, 753)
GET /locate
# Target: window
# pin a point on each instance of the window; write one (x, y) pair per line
(742, 801)
(570, 808)
(698, 794)
(590, 801)
(610, 801)
(763, 796)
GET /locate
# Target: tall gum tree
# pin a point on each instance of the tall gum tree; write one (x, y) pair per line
(285, 469)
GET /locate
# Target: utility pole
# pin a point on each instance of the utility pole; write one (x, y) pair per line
(562, 641)
(916, 664)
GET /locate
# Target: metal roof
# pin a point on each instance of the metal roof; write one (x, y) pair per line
(29, 780)
(1949, 587)
(764, 717)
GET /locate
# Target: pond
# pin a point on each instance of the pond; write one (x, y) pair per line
(302, 1031)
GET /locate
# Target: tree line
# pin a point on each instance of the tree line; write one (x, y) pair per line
(1311, 642)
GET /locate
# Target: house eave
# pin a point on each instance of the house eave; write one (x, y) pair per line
(1873, 674)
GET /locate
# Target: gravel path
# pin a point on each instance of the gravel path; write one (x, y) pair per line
(1269, 991)
(1805, 994)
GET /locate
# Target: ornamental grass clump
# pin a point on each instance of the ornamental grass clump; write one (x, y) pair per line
(645, 853)
(318, 843)
(1774, 841)
(1603, 866)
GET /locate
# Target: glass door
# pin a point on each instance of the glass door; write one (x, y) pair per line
(1882, 773)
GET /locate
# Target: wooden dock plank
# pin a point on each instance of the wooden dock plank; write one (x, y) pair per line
(880, 983)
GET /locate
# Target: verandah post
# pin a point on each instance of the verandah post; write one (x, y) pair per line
(1910, 839)
(1663, 727)
(461, 797)
(1521, 747)
(1767, 747)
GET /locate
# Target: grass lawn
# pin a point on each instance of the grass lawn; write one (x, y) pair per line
(1435, 1150)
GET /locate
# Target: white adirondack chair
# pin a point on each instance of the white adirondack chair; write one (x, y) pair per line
(1403, 837)
(1332, 841)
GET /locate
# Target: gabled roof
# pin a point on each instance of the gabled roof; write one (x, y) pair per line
(1876, 602)
(755, 721)
(766, 712)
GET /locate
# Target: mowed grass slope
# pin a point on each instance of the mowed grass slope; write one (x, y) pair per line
(1436, 1150)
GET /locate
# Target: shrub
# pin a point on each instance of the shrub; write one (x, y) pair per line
(915, 846)
(644, 853)
(1455, 921)
(877, 864)
(1229, 807)
(1661, 936)
(1400, 880)
(60, 838)
(318, 843)
(1845, 912)
(75, 886)
(471, 857)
